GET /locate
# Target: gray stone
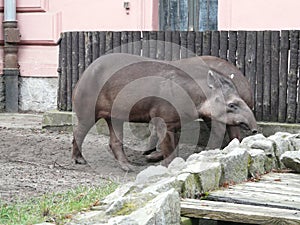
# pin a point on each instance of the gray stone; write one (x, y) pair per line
(210, 176)
(191, 187)
(150, 173)
(235, 143)
(291, 160)
(235, 166)
(38, 94)
(257, 163)
(295, 141)
(176, 165)
(162, 210)
(283, 144)
(164, 184)
(119, 192)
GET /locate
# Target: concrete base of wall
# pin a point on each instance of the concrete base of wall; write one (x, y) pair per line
(38, 94)
(56, 120)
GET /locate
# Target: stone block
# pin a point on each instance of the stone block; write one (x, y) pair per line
(257, 162)
(151, 174)
(235, 166)
(291, 160)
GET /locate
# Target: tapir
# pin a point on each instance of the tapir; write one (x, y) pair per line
(121, 87)
(243, 88)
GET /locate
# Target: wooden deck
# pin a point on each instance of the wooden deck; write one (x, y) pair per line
(275, 199)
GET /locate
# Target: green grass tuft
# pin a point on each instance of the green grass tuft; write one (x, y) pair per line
(57, 207)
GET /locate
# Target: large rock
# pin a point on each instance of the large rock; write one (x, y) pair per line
(257, 162)
(259, 141)
(162, 210)
(235, 166)
(291, 160)
(151, 174)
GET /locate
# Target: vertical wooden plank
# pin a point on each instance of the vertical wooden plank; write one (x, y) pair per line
(284, 50)
(232, 47)
(199, 43)
(191, 44)
(163, 14)
(116, 42)
(275, 46)
(124, 42)
(250, 60)
(152, 44)
(241, 48)
(215, 43)
(137, 45)
(161, 45)
(69, 71)
(145, 44)
(267, 77)
(108, 42)
(223, 44)
(259, 76)
(88, 49)
(292, 77)
(168, 45)
(63, 78)
(174, 17)
(59, 74)
(206, 43)
(81, 65)
(298, 86)
(75, 59)
(130, 42)
(95, 40)
(183, 44)
(175, 45)
(196, 14)
(102, 47)
(190, 15)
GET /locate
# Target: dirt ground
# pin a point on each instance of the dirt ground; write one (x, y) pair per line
(35, 161)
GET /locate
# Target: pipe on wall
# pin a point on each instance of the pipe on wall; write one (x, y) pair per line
(10, 60)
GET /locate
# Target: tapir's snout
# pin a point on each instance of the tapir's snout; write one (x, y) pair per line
(254, 131)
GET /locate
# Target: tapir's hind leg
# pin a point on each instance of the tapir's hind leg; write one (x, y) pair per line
(79, 134)
(116, 144)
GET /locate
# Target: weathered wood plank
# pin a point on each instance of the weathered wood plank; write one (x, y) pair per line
(238, 213)
(168, 45)
(130, 42)
(175, 45)
(102, 43)
(124, 42)
(81, 54)
(292, 77)
(250, 60)
(241, 50)
(116, 42)
(267, 77)
(259, 76)
(95, 45)
(137, 45)
(108, 42)
(215, 43)
(88, 49)
(282, 95)
(191, 36)
(69, 71)
(183, 44)
(63, 78)
(206, 43)
(145, 44)
(75, 59)
(223, 44)
(152, 44)
(232, 47)
(198, 43)
(161, 45)
(275, 46)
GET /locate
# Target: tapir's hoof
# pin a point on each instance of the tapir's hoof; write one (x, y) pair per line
(127, 167)
(154, 156)
(80, 160)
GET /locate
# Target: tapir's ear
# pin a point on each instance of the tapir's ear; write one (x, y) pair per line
(212, 80)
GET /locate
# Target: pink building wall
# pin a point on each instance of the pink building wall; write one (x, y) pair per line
(258, 14)
(42, 21)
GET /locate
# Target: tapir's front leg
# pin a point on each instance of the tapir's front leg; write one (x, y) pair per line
(116, 143)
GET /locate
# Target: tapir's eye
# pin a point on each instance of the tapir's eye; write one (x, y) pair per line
(232, 106)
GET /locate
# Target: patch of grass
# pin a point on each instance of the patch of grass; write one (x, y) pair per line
(57, 207)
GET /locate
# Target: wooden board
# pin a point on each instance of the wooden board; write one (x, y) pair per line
(232, 212)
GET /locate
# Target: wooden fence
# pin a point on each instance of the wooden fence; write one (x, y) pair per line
(269, 59)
